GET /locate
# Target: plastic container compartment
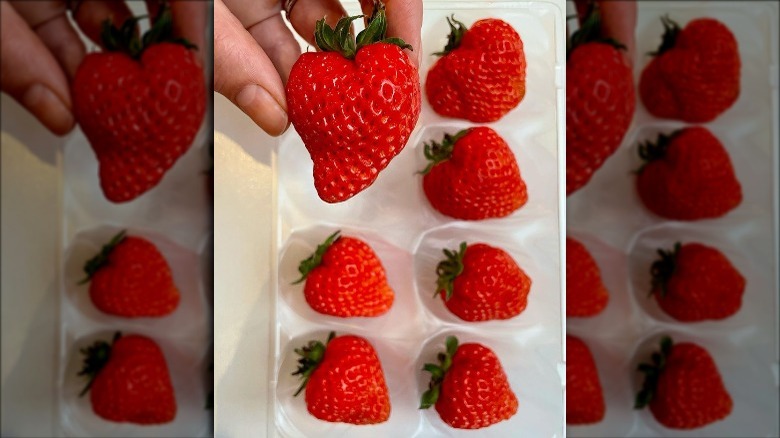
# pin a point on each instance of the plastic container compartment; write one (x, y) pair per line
(395, 218)
(174, 217)
(610, 220)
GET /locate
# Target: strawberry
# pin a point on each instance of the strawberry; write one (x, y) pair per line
(469, 387)
(480, 283)
(687, 176)
(353, 104)
(344, 381)
(481, 73)
(695, 282)
(599, 101)
(130, 278)
(585, 292)
(129, 381)
(139, 105)
(345, 278)
(473, 175)
(584, 398)
(683, 387)
(694, 75)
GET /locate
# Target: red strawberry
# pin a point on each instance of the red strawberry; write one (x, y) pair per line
(695, 282)
(695, 73)
(354, 106)
(584, 398)
(585, 292)
(473, 175)
(140, 106)
(683, 387)
(599, 102)
(129, 277)
(344, 381)
(688, 176)
(129, 381)
(481, 73)
(345, 278)
(480, 283)
(469, 387)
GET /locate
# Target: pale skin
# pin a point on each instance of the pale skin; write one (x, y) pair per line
(254, 50)
(41, 49)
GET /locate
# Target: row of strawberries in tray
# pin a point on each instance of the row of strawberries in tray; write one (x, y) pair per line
(687, 175)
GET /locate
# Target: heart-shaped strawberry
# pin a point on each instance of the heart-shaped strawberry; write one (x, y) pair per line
(139, 105)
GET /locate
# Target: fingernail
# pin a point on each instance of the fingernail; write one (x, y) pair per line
(261, 107)
(48, 108)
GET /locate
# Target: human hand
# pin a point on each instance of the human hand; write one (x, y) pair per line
(618, 21)
(254, 50)
(41, 49)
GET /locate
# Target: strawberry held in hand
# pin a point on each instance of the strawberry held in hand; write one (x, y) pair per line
(695, 282)
(687, 176)
(473, 175)
(584, 397)
(683, 387)
(481, 73)
(344, 381)
(139, 104)
(353, 104)
(130, 278)
(585, 292)
(695, 74)
(345, 278)
(480, 283)
(599, 101)
(129, 381)
(469, 387)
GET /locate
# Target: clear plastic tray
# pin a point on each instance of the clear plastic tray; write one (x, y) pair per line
(610, 220)
(395, 218)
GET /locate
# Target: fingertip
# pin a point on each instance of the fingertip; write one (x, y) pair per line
(256, 102)
(49, 109)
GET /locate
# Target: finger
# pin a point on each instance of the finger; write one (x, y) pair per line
(153, 9)
(618, 21)
(305, 14)
(278, 42)
(404, 20)
(91, 14)
(245, 75)
(582, 8)
(31, 75)
(189, 22)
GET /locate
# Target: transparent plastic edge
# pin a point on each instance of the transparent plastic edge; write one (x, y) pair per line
(273, 332)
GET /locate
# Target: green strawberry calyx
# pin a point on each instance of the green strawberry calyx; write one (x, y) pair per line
(96, 356)
(341, 41)
(448, 270)
(125, 38)
(590, 32)
(649, 151)
(669, 38)
(314, 260)
(101, 259)
(663, 269)
(311, 356)
(430, 396)
(652, 372)
(457, 31)
(436, 153)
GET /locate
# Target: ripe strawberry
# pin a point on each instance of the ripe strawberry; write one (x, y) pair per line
(683, 387)
(130, 278)
(139, 104)
(344, 381)
(688, 176)
(354, 105)
(473, 175)
(345, 278)
(481, 73)
(584, 398)
(599, 102)
(480, 283)
(469, 387)
(695, 282)
(694, 76)
(129, 381)
(585, 292)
